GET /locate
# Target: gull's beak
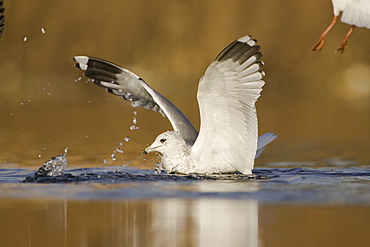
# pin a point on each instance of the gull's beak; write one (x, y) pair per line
(150, 149)
(147, 150)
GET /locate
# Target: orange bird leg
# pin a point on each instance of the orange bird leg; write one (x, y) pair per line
(343, 44)
(320, 43)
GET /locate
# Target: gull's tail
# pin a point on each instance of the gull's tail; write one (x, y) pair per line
(262, 142)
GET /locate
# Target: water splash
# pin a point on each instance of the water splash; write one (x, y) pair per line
(54, 166)
(118, 149)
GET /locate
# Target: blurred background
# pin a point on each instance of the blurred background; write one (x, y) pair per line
(318, 103)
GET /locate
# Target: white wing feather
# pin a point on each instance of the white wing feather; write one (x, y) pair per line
(339, 5)
(357, 13)
(226, 95)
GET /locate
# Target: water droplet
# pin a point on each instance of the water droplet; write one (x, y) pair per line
(42, 30)
(134, 127)
(134, 121)
(25, 39)
(105, 161)
(126, 139)
(40, 155)
(113, 156)
(119, 150)
(21, 103)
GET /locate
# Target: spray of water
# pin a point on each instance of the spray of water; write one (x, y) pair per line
(134, 122)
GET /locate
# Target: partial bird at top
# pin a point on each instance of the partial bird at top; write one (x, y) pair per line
(2, 18)
(228, 140)
(355, 13)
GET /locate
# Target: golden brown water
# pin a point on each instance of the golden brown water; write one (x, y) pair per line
(318, 104)
(178, 222)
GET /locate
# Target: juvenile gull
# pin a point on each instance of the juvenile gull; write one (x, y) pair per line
(228, 139)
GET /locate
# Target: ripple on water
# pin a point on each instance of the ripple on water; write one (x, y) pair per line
(273, 185)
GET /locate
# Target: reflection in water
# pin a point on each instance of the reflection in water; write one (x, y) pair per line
(227, 223)
(168, 222)
(179, 222)
(206, 222)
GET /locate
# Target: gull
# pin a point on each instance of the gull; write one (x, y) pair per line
(228, 139)
(355, 13)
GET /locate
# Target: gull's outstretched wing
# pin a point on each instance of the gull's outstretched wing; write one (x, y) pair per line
(227, 95)
(124, 83)
(2, 18)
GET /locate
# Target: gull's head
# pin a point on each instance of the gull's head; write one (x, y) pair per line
(166, 143)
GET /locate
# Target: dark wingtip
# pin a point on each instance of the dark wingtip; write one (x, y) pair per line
(2, 18)
(239, 49)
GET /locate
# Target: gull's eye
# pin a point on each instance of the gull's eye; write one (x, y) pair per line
(162, 140)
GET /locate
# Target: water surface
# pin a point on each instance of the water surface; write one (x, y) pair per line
(126, 206)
